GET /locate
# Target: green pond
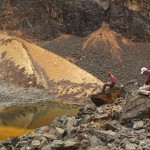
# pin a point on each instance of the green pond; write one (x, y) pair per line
(20, 120)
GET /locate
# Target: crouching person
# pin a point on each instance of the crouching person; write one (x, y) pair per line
(145, 89)
(110, 83)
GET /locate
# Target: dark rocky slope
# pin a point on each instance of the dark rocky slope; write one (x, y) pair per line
(102, 51)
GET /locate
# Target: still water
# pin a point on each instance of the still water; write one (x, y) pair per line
(20, 120)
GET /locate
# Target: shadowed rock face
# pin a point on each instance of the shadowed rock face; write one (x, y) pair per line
(131, 18)
(28, 65)
(138, 106)
(48, 19)
(108, 97)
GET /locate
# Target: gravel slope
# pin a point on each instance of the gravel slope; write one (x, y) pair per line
(11, 95)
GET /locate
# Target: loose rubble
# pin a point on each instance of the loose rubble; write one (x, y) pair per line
(92, 128)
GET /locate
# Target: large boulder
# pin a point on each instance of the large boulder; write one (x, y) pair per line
(108, 97)
(138, 106)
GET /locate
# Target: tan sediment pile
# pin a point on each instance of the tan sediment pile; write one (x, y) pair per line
(27, 65)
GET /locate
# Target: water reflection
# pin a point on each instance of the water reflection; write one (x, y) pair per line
(26, 118)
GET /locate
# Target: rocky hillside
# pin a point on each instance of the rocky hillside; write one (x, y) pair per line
(46, 19)
(104, 50)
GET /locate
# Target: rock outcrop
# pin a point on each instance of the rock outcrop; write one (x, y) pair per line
(138, 106)
(48, 19)
(107, 97)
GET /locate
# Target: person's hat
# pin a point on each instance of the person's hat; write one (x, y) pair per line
(143, 70)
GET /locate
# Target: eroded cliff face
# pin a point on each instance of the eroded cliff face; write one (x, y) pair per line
(131, 17)
(46, 19)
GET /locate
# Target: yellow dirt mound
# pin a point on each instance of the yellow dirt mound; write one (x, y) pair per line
(27, 65)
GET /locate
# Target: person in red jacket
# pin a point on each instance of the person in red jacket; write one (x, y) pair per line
(145, 89)
(111, 82)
